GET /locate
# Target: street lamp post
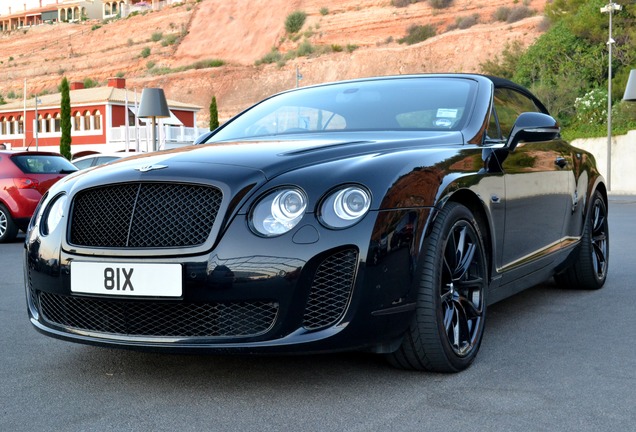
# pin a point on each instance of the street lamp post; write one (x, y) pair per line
(37, 123)
(609, 9)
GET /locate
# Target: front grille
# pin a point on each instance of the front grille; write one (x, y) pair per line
(156, 319)
(144, 215)
(330, 290)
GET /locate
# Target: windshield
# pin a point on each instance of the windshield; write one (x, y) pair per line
(408, 103)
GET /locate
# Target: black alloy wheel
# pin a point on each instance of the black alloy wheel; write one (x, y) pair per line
(588, 271)
(448, 324)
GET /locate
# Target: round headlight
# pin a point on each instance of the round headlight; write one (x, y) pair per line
(53, 214)
(345, 207)
(278, 212)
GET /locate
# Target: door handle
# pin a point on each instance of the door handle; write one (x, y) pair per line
(561, 162)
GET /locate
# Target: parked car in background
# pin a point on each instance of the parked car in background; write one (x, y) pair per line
(381, 214)
(24, 177)
(98, 159)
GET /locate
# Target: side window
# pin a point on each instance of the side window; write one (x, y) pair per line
(493, 131)
(509, 104)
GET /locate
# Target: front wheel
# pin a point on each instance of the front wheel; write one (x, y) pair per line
(448, 323)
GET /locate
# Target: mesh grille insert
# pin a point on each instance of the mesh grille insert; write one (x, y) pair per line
(144, 215)
(330, 290)
(156, 319)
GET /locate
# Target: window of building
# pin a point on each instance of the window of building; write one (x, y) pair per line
(87, 121)
(21, 125)
(77, 120)
(57, 123)
(48, 123)
(98, 120)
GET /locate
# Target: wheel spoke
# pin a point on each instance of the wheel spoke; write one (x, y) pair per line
(471, 310)
(463, 336)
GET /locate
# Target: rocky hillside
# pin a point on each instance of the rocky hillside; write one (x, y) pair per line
(173, 48)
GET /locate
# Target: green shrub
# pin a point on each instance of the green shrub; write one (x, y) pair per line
(501, 13)
(150, 64)
(439, 4)
(169, 39)
(90, 83)
(351, 48)
(271, 57)
(295, 21)
(145, 52)
(324, 11)
(336, 48)
(305, 49)
(156, 36)
(518, 13)
(418, 33)
(96, 27)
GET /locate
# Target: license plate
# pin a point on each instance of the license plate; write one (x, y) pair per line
(125, 279)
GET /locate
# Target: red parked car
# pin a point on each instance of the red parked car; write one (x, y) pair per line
(24, 178)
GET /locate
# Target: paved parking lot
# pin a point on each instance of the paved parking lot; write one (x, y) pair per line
(551, 360)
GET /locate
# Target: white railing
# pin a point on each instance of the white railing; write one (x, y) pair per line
(167, 136)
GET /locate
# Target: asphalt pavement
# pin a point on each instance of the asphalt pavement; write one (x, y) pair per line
(551, 360)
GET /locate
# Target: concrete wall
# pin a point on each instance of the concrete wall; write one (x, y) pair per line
(623, 160)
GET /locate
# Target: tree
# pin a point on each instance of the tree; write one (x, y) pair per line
(65, 119)
(214, 114)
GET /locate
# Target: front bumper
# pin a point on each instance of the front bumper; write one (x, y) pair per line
(306, 291)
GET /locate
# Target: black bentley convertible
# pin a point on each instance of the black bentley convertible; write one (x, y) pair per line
(380, 214)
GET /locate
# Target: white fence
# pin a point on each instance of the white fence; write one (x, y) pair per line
(623, 160)
(140, 138)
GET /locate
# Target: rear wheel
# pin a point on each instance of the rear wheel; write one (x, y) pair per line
(589, 269)
(8, 228)
(448, 323)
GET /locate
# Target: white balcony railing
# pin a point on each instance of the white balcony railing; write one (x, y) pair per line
(167, 137)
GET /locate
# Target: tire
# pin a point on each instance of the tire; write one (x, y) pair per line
(588, 271)
(8, 228)
(448, 322)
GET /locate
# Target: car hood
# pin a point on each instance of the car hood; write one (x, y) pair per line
(273, 157)
(242, 166)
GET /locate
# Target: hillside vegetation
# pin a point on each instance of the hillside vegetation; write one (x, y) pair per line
(240, 52)
(567, 66)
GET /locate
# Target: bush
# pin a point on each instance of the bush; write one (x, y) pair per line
(169, 39)
(518, 13)
(295, 21)
(156, 36)
(463, 23)
(591, 108)
(439, 4)
(271, 57)
(145, 52)
(418, 33)
(501, 14)
(305, 49)
(90, 83)
(403, 3)
(324, 11)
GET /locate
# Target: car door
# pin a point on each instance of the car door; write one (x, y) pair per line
(537, 187)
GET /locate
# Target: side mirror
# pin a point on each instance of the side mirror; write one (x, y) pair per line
(533, 127)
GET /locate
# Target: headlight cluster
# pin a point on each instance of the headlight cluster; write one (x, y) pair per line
(281, 210)
(52, 214)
